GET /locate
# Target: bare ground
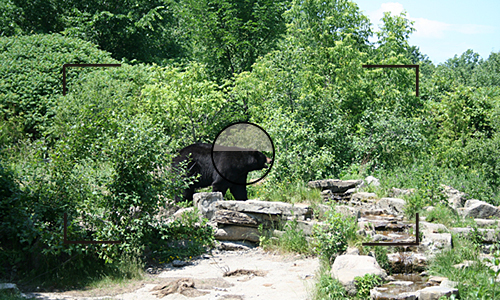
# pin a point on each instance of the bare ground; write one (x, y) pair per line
(241, 275)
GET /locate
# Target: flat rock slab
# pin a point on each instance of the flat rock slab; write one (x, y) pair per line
(265, 207)
(436, 292)
(346, 267)
(478, 209)
(230, 217)
(335, 185)
(237, 233)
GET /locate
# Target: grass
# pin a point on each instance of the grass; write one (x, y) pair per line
(448, 217)
(474, 282)
(292, 240)
(83, 272)
(327, 288)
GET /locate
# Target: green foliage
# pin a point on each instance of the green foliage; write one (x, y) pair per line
(287, 192)
(322, 23)
(365, 284)
(328, 288)
(182, 239)
(476, 281)
(332, 239)
(443, 214)
(9, 14)
(228, 36)
(292, 239)
(30, 72)
(186, 105)
(147, 31)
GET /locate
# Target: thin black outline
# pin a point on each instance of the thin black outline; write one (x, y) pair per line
(82, 66)
(65, 214)
(268, 168)
(417, 242)
(417, 67)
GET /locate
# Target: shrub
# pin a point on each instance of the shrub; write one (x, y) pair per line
(365, 284)
(333, 238)
(30, 68)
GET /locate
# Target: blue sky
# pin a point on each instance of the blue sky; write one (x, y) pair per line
(443, 27)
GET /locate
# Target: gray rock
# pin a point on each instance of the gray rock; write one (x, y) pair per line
(348, 211)
(436, 241)
(229, 217)
(237, 233)
(486, 222)
(428, 227)
(381, 238)
(478, 209)
(370, 180)
(436, 292)
(380, 294)
(178, 214)
(456, 198)
(235, 246)
(448, 283)
(335, 185)
(307, 226)
(179, 263)
(346, 267)
(393, 205)
(405, 261)
(205, 202)
(352, 251)
(266, 207)
(8, 286)
(363, 196)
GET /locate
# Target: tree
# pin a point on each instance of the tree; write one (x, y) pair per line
(228, 36)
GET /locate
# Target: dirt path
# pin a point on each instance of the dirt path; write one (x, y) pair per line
(262, 276)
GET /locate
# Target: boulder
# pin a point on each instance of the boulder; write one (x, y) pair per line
(394, 206)
(236, 246)
(346, 267)
(436, 292)
(348, 211)
(486, 222)
(363, 196)
(229, 217)
(237, 233)
(406, 262)
(335, 185)
(428, 227)
(478, 209)
(266, 207)
(456, 198)
(205, 202)
(379, 293)
(307, 226)
(436, 241)
(370, 180)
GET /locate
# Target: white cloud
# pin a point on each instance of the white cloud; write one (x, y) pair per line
(426, 28)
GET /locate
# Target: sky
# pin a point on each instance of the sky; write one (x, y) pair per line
(444, 28)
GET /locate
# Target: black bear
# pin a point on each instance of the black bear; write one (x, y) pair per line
(233, 165)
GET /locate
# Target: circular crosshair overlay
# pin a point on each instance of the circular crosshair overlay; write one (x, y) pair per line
(240, 148)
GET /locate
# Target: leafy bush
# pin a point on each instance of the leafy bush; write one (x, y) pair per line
(332, 239)
(328, 288)
(365, 284)
(183, 238)
(30, 72)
